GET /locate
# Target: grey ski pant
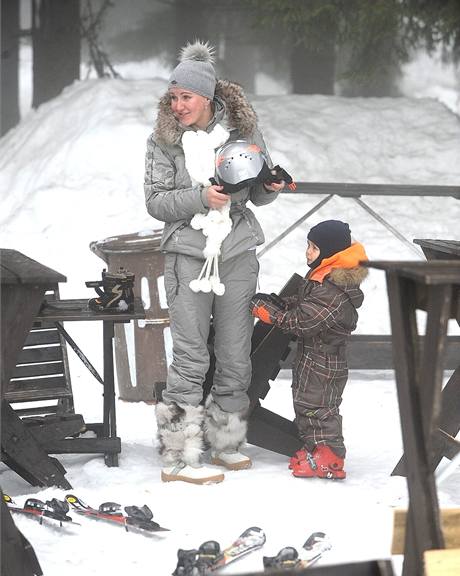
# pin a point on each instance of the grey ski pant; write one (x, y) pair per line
(190, 316)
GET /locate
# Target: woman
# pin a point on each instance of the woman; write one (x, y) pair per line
(197, 115)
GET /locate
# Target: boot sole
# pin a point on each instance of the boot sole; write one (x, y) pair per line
(316, 476)
(244, 465)
(178, 478)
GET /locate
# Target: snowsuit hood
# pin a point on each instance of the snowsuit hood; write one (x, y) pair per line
(343, 270)
(343, 266)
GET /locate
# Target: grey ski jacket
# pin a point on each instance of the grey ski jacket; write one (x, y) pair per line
(169, 194)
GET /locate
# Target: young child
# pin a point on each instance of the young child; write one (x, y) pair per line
(322, 316)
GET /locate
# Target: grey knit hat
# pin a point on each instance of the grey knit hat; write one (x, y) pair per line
(195, 71)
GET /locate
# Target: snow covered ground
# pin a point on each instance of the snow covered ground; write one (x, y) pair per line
(72, 172)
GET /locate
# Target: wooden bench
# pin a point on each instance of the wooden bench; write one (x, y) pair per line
(24, 283)
(439, 249)
(42, 371)
(444, 443)
(38, 373)
(433, 286)
(444, 562)
(40, 390)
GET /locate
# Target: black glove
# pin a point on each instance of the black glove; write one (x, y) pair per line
(266, 306)
(276, 174)
(278, 301)
(272, 299)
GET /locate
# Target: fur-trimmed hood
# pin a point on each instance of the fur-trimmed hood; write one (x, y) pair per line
(348, 276)
(348, 281)
(231, 106)
(343, 271)
(347, 261)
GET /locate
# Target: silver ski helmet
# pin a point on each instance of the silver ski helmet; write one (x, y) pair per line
(239, 164)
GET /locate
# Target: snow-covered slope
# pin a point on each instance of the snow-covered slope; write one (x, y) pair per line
(72, 172)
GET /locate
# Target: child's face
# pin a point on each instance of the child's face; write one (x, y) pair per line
(312, 252)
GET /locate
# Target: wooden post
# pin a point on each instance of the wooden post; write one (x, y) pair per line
(9, 80)
(429, 286)
(56, 47)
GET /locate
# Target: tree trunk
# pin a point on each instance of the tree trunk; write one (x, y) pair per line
(313, 72)
(56, 47)
(191, 18)
(236, 51)
(382, 80)
(9, 92)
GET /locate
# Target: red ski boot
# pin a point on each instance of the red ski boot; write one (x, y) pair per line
(297, 458)
(323, 463)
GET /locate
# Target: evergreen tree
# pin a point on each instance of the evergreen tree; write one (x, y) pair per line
(372, 39)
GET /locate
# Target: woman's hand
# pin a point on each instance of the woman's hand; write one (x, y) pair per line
(215, 197)
(274, 186)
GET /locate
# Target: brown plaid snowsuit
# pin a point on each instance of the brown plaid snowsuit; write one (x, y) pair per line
(322, 316)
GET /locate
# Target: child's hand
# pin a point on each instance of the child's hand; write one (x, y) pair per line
(278, 301)
(262, 306)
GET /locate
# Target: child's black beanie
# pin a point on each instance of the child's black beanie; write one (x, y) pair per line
(331, 236)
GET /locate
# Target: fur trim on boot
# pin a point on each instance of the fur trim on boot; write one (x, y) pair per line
(180, 433)
(226, 433)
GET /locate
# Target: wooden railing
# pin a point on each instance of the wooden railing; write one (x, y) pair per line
(354, 190)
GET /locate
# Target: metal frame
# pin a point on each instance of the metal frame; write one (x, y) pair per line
(355, 191)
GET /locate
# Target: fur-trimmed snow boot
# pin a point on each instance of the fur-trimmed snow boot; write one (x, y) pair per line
(226, 433)
(323, 463)
(180, 434)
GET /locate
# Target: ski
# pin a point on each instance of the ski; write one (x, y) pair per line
(251, 539)
(55, 510)
(288, 558)
(197, 562)
(209, 557)
(134, 518)
(315, 546)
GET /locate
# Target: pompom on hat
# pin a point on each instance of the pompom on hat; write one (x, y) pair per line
(195, 71)
(331, 236)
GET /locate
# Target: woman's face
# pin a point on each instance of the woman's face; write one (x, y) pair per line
(190, 109)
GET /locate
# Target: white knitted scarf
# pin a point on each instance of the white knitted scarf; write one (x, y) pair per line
(199, 151)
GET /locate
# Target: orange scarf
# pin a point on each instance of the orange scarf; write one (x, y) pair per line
(349, 258)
